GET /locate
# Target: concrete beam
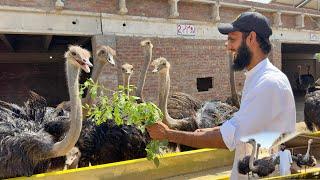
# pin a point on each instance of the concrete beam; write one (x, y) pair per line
(47, 42)
(6, 42)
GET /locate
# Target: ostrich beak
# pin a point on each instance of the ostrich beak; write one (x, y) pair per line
(155, 70)
(86, 65)
(110, 59)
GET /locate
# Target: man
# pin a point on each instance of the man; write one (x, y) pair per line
(267, 103)
(285, 160)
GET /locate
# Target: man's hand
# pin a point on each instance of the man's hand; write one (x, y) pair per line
(204, 130)
(158, 131)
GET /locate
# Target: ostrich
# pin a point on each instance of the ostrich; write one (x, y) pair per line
(162, 66)
(127, 70)
(104, 55)
(108, 142)
(234, 100)
(312, 108)
(262, 167)
(305, 160)
(243, 165)
(147, 47)
(304, 80)
(27, 145)
(179, 104)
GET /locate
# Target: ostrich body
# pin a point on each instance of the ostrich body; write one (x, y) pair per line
(27, 145)
(305, 160)
(243, 165)
(312, 109)
(162, 66)
(108, 142)
(304, 80)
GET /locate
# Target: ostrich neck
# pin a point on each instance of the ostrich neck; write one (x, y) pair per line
(62, 147)
(257, 153)
(143, 74)
(126, 82)
(163, 98)
(96, 71)
(251, 166)
(299, 73)
(234, 94)
(308, 151)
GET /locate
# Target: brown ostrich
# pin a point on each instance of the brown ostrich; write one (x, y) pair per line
(21, 152)
(147, 47)
(127, 70)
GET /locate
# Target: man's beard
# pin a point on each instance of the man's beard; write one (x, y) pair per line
(243, 57)
(282, 149)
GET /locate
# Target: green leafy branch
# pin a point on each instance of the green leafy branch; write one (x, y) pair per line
(124, 109)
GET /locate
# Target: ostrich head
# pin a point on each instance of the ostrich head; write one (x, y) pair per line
(78, 57)
(146, 44)
(310, 141)
(127, 69)
(161, 64)
(251, 141)
(105, 54)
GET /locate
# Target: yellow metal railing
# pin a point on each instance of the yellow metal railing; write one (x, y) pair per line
(170, 165)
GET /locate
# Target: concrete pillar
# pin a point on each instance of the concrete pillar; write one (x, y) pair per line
(277, 22)
(300, 21)
(123, 7)
(275, 55)
(216, 12)
(173, 8)
(110, 75)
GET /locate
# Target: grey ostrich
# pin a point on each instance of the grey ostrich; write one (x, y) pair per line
(262, 167)
(304, 80)
(27, 146)
(104, 55)
(162, 66)
(312, 107)
(305, 160)
(243, 164)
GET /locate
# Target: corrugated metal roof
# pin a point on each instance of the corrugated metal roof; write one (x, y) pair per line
(298, 140)
(310, 4)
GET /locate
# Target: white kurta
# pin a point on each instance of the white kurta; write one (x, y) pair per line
(285, 162)
(267, 105)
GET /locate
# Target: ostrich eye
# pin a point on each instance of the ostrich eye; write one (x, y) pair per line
(73, 53)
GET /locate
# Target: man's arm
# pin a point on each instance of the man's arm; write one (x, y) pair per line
(211, 138)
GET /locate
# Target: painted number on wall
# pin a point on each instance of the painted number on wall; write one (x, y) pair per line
(186, 30)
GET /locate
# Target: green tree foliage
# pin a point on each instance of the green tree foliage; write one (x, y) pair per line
(124, 109)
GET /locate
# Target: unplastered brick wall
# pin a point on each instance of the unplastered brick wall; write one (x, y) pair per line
(161, 9)
(189, 59)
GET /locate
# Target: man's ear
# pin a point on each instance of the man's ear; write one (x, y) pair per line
(251, 38)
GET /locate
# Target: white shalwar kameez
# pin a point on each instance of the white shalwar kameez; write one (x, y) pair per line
(285, 162)
(267, 105)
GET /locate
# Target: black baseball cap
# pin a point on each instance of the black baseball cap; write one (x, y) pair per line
(247, 22)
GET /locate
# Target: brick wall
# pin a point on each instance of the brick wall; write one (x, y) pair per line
(190, 59)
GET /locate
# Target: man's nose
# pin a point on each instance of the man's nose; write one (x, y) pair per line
(227, 45)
